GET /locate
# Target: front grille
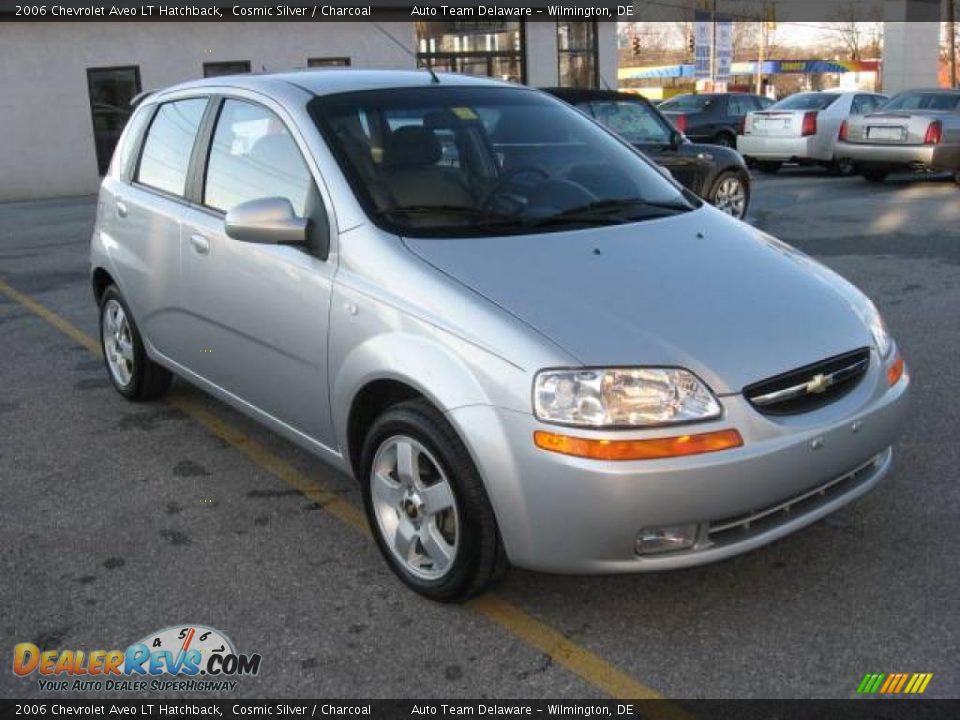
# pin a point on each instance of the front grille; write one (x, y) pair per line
(809, 387)
(741, 527)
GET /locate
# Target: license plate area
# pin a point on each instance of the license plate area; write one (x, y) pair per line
(875, 132)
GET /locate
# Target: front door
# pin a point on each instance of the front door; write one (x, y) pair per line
(258, 313)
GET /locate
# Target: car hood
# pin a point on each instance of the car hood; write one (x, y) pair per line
(698, 290)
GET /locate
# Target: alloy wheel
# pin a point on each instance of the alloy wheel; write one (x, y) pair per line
(117, 342)
(731, 197)
(415, 507)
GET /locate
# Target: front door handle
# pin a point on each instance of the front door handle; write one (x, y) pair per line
(121, 208)
(200, 244)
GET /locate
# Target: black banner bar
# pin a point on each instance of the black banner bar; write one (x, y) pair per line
(445, 10)
(860, 709)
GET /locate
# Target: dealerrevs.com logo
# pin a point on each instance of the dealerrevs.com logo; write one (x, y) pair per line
(198, 658)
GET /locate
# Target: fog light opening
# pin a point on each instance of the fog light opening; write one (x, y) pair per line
(653, 541)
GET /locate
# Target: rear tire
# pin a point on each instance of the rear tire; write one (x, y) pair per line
(405, 517)
(875, 176)
(841, 167)
(132, 372)
(769, 167)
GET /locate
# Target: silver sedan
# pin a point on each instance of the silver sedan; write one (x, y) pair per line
(526, 343)
(915, 130)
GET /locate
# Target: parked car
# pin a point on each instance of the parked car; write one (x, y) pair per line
(915, 130)
(529, 348)
(716, 174)
(802, 129)
(712, 118)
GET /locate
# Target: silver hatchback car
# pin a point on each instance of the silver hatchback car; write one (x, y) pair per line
(526, 343)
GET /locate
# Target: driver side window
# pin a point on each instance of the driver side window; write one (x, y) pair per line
(253, 156)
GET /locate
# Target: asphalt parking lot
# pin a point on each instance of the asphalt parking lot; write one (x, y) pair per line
(117, 520)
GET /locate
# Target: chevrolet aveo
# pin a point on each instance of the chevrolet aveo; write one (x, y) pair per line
(529, 347)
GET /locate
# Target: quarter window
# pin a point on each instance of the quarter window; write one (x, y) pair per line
(253, 156)
(316, 62)
(166, 151)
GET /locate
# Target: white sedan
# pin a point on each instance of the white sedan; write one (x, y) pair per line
(802, 128)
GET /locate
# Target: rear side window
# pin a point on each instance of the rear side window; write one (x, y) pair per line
(924, 101)
(863, 104)
(253, 156)
(166, 150)
(128, 142)
(738, 105)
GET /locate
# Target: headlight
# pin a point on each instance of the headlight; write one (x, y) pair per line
(622, 397)
(878, 328)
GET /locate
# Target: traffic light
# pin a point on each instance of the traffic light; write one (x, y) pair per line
(691, 43)
(636, 44)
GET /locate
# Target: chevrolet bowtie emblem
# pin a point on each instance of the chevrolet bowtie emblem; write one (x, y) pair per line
(819, 383)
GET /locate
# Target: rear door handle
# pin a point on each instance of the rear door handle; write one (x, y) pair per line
(200, 244)
(121, 208)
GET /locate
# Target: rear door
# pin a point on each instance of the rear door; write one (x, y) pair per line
(143, 217)
(257, 314)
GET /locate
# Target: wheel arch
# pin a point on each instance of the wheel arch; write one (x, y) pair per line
(100, 280)
(391, 368)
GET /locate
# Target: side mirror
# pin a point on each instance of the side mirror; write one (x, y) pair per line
(269, 221)
(665, 171)
(676, 139)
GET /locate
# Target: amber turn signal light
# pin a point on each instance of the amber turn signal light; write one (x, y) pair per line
(895, 371)
(647, 449)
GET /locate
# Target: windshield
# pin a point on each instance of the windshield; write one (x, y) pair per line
(923, 101)
(467, 161)
(806, 101)
(688, 103)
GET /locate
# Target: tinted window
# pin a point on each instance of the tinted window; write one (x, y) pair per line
(111, 90)
(924, 101)
(807, 101)
(689, 103)
(253, 156)
(862, 104)
(166, 151)
(634, 121)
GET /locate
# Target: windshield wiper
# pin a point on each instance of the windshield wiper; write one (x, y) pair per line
(604, 207)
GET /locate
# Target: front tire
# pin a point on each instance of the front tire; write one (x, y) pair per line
(841, 167)
(426, 505)
(132, 372)
(730, 194)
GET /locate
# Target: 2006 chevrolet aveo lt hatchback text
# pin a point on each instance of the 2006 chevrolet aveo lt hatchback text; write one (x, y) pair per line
(528, 345)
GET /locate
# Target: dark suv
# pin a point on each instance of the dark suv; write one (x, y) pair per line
(716, 174)
(712, 117)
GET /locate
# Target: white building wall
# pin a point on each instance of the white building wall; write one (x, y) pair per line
(48, 145)
(910, 55)
(543, 68)
(607, 54)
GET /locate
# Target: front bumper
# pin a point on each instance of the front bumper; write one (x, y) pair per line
(934, 157)
(570, 515)
(779, 149)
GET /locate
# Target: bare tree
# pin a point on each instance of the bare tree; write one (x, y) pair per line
(859, 31)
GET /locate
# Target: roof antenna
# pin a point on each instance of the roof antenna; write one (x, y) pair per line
(433, 76)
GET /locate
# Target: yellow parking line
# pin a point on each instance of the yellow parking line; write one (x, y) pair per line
(561, 650)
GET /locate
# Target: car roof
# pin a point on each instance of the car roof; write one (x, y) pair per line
(328, 81)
